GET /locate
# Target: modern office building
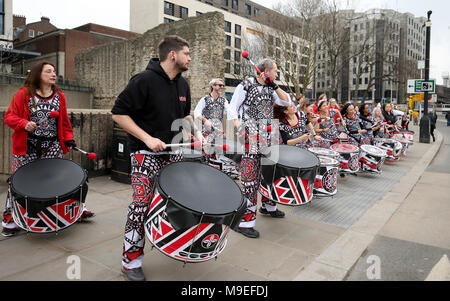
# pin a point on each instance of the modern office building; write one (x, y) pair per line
(383, 51)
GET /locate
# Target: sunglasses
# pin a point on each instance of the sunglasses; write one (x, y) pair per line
(220, 85)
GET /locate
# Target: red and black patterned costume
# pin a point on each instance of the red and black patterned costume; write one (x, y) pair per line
(153, 101)
(47, 141)
(253, 103)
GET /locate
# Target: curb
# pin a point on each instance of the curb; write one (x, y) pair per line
(335, 262)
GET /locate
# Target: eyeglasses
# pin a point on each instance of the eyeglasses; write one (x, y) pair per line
(220, 85)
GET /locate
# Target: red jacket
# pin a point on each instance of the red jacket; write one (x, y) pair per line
(18, 115)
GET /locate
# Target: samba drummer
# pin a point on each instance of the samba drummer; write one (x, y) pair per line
(42, 129)
(356, 133)
(211, 107)
(326, 125)
(210, 110)
(296, 129)
(252, 104)
(146, 109)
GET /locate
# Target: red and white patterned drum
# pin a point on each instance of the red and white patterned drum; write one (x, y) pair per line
(349, 157)
(188, 220)
(405, 144)
(48, 195)
(324, 152)
(372, 158)
(406, 134)
(391, 146)
(289, 178)
(326, 179)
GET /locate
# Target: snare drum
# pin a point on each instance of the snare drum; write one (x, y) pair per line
(48, 195)
(391, 146)
(227, 160)
(324, 152)
(326, 179)
(409, 135)
(404, 143)
(349, 157)
(288, 175)
(192, 210)
(372, 158)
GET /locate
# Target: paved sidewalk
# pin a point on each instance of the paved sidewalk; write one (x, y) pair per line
(299, 247)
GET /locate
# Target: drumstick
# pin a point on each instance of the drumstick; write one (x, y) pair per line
(91, 156)
(53, 115)
(198, 144)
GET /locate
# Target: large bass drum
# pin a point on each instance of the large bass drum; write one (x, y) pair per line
(288, 175)
(48, 195)
(192, 210)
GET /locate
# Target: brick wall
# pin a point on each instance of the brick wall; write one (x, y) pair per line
(109, 67)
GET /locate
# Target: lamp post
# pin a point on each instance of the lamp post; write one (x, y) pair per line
(425, 120)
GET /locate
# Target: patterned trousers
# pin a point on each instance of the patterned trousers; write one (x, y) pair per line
(49, 150)
(250, 170)
(144, 168)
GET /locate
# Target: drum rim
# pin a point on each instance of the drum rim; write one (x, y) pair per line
(335, 153)
(13, 190)
(352, 152)
(168, 197)
(291, 167)
(328, 158)
(373, 146)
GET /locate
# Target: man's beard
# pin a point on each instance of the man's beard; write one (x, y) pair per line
(181, 67)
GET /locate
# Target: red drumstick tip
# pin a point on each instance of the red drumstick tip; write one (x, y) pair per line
(54, 114)
(269, 128)
(92, 156)
(197, 144)
(225, 147)
(245, 54)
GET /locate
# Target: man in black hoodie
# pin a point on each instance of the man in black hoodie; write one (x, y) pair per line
(146, 109)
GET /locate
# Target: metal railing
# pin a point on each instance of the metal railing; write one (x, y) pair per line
(63, 84)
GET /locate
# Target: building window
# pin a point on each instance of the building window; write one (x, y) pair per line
(169, 8)
(237, 43)
(224, 2)
(228, 40)
(256, 11)
(235, 4)
(227, 26)
(167, 20)
(248, 9)
(237, 56)
(40, 33)
(237, 69)
(228, 68)
(31, 33)
(237, 29)
(227, 54)
(198, 13)
(184, 12)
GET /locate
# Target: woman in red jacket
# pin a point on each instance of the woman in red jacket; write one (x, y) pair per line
(36, 135)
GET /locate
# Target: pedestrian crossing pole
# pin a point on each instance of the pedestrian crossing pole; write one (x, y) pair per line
(425, 121)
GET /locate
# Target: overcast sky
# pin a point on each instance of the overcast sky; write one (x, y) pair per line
(115, 13)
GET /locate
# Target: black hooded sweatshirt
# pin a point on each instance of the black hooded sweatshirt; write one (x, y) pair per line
(154, 101)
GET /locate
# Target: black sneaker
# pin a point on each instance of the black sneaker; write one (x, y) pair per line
(276, 214)
(133, 274)
(10, 232)
(249, 232)
(86, 215)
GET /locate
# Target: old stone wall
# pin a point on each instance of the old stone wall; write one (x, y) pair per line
(108, 68)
